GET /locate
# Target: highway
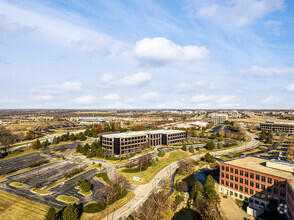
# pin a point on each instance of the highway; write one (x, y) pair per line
(142, 192)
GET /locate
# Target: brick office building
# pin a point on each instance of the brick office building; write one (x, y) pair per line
(252, 180)
(125, 143)
(290, 199)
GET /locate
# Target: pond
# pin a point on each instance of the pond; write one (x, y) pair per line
(186, 214)
(198, 176)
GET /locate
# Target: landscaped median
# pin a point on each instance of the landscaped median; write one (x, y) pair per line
(67, 199)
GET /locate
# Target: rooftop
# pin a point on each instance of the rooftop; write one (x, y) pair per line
(140, 133)
(258, 164)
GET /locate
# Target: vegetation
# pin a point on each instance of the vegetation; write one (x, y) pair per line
(186, 166)
(84, 184)
(104, 177)
(209, 158)
(191, 149)
(71, 172)
(70, 212)
(161, 153)
(67, 199)
(184, 147)
(95, 150)
(51, 214)
(35, 163)
(210, 145)
(178, 199)
(14, 207)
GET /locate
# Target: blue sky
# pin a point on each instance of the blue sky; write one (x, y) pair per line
(147, 54)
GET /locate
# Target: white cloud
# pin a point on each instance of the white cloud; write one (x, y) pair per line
(44, 97)
(160, 51)
(271, 23)
(83, 100)
(150, 96)
(111, 97)
(185, 87)
(239, 12)
(290, 87)
(225, 99)
(106, 78)
(260, 71)
(268, 100)
(54, 89)
(202, 98)
(137, 79)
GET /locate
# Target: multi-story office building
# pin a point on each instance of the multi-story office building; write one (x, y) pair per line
(256, 181)
(290, 198)
(287, 128)
(219, 118)
(121, 144)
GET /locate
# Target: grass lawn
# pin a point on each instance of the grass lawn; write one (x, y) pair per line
(67, 199)
(17, 208)
(16, 184)
(83, 192)
(150, 172)
(41, 191)
(115, 206)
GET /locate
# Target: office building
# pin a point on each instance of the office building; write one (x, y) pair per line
(219, 118)
(287, 128)
(125, 143)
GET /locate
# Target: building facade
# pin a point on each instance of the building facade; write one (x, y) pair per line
(290, 199)
(219, 118)
(125, 143)
(249, 179)
(277, 127)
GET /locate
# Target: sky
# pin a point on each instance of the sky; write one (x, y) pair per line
(155, 54)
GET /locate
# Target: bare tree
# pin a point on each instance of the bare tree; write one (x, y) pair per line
(6, 138)
(122, 182)
(160, 199)
(143, 160)
(108, 194)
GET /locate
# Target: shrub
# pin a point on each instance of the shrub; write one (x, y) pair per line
(71, 172)
(184, 147)
(86, 186)
(37, 162)
(153, 162)
(209, 158)
(191, 149)
(122, 194)
(210, 146)
(161, 153)
(178, 199)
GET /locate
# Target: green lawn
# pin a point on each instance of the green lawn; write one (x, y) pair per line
(150, 172)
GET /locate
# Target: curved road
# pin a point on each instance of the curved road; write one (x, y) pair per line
(142, 192)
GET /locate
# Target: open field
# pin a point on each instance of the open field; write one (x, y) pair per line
(150, 172)
(14, 207)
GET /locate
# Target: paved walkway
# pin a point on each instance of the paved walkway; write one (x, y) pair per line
(231, 210)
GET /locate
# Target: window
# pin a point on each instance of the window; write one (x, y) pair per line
(251, 183)
(246, 182)
(282, 184)
(251, 192)
(262, 178)
(223, 175)
(231, 170)
(222, 182)
(231, 177)
(250, 200)
(227, 183)
(236, 179)
(236, 194)
(276, 182)
(276, 191)
(236, 186)
(231, 193)
(227, 169)
(236, 171)
(241, 172)
(282, 193)
(240, 196)
(246, 189)
(231, 185)
(269, 189)
(257, 177)
(246, 174)
(257, 185)
(223, 168)
(257, 194)
(269, 180)
(241, 188)
(252, 175)
(227, 176)
(241, 180)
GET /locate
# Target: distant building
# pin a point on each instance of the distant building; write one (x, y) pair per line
(125, 143)
(277, 127)
(257, 181)
(219, 118)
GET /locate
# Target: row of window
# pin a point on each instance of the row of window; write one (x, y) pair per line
(133, 142)
(251, 191)
(240, 180)
(252, 176)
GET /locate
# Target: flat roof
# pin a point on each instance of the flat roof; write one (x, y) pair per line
(258, 164)
(276, 123)
(140, 133)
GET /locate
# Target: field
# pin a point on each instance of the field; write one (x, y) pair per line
(150, 172)
(18, 208)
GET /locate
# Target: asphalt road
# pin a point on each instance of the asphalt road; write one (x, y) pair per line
(142, 192)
